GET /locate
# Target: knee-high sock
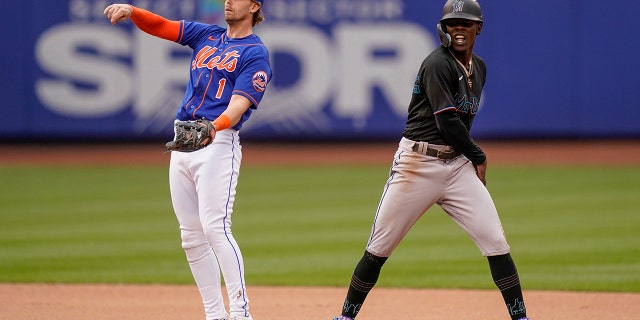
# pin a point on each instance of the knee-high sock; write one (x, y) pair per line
(363, 279)
(206, 273)
(505, 276)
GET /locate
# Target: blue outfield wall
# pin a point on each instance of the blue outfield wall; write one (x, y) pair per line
(343, 69)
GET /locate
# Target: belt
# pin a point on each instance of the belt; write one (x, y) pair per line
(440, 154)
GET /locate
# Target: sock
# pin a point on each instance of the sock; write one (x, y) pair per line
(363, 279)
(505, 276)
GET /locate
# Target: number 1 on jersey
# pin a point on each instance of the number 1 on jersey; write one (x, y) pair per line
(221, 84)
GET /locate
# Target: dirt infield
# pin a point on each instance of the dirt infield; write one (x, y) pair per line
(154, 302)
(139, 302)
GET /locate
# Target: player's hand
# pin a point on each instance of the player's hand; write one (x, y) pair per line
(118, 12)
(212, 134)
(481, 170)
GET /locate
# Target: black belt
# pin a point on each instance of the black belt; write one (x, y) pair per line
(440, 154)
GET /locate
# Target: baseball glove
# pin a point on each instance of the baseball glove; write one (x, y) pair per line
(191, 135)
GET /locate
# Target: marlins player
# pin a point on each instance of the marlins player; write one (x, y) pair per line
(229, 72)
(437, 162)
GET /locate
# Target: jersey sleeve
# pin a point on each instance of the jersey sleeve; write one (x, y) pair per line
(457, 135)
(155, 25)
(254, 76)
(192, 32)
(437, 85)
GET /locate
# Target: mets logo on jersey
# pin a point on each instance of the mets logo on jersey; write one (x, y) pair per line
(205, 59)
(457, 5)
(259, 81)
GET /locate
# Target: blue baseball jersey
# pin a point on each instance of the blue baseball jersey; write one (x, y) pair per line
(221, 67)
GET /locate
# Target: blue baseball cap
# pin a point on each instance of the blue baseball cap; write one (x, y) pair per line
(261, 2)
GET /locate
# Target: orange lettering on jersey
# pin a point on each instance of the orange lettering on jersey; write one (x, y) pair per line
(202, 56)
(228, 63)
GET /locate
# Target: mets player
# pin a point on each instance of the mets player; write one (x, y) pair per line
(437, 162)
(229, 72)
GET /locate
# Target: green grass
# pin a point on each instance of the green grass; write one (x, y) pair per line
(570, 228)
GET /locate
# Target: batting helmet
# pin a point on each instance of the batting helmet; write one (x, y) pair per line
(462, 9)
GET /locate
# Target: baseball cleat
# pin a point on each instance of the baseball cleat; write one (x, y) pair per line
(342, 318)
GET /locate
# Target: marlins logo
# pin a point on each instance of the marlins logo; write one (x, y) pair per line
(259, 81)
(457, 6)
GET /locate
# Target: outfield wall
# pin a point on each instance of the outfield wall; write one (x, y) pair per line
(343, 69)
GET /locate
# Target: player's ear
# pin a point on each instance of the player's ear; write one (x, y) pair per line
(479, 28)
(255, 6)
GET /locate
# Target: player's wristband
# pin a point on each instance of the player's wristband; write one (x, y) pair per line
(222, 122)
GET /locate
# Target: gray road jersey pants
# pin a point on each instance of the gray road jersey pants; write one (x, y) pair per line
(417, 182)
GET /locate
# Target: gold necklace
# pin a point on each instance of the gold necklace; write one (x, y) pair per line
(468, 72)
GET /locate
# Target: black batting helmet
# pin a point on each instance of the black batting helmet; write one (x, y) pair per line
(462, 9)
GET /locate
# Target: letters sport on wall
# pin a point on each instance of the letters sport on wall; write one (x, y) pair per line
(342, 69)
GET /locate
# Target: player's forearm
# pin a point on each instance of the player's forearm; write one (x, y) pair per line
(232, 115)
(155, 25)
(458, 137)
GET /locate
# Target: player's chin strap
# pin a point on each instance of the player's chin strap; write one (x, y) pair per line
(445, 38)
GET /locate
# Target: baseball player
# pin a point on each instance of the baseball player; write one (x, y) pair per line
(437, 162)
(229, 72)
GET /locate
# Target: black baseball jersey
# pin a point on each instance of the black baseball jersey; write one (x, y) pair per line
(441, 89)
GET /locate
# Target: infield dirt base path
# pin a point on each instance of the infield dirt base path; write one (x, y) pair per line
(154, 302)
